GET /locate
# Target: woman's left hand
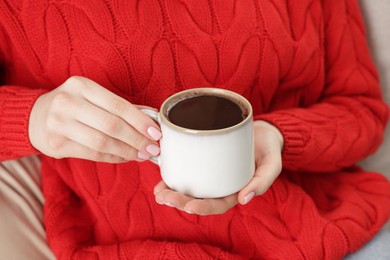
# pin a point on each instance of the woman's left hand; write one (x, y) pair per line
(268, 147)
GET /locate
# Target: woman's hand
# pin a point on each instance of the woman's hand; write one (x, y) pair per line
(81, 119)
(268, 147)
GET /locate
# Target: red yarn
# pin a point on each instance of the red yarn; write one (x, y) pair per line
(305, 67)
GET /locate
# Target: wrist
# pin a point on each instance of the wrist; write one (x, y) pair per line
(272, 129)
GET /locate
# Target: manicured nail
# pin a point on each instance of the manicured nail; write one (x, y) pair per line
(153, 149)
(249, 197)
(169, 204)
(160, 202)
(188, 211)
(143, 156)
(154, 133)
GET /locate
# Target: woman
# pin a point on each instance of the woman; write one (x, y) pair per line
(77, 72)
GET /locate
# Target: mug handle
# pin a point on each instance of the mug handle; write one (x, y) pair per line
(153, 114)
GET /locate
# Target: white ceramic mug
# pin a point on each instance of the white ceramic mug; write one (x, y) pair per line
(205, 163)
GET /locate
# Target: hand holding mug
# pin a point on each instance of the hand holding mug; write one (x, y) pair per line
(268, 146)
(81, 119)
(207, 144)
(209, 151)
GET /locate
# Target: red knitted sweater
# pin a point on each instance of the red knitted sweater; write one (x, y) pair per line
(305, 67)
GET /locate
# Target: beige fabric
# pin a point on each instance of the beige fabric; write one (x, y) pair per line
(377, 19)
(22, 232)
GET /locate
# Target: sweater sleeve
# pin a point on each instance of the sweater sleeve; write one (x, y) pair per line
(16, 103)
(15, 107)
(348, 123)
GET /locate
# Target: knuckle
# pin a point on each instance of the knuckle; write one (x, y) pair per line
(95, 156)
(139, 142)
(118, 106)
(112, 125)
(99, 141)
(102, 157)
(61, 99)
(53, 123)
(262, 189)
(116, 159)
(61, 103)
(129, 154)
(74, 81)
(55, 142)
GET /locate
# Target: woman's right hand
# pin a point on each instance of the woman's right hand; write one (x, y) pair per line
(81, 119)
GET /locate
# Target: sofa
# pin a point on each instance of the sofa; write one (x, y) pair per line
(377, 19)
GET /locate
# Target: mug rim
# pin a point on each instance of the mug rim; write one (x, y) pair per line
(207, 90)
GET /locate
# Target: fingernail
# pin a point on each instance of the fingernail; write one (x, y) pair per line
(169, 204)
(249, 197)
(153, 149)
(188, 211)
(143, 156)
(154, 133)
(160, 202)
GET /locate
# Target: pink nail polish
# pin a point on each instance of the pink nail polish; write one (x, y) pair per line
(249, 197)
(154, 133)
(153, 149)
(169, 204)
(188, 211)
(160, 202)
(142, 156)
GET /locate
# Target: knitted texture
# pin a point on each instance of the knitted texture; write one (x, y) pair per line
(305, 67)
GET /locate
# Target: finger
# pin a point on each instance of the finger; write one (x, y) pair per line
(118, 106)
(191, 205)
(70, 149)
(114, 126)
(267, 171)
(206, 207)
(98, 141)
(159, 187)
(172, 198)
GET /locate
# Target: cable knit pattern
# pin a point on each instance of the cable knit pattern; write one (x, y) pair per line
(304, 66)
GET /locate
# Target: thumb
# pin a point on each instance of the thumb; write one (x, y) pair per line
(268, 169)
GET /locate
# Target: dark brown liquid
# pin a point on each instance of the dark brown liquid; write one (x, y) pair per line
(206, 113)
